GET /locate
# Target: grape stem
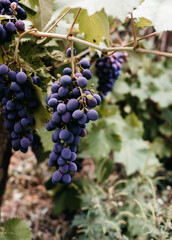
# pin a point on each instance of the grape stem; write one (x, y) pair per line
(19, 39)
(58, 20)
(72, 59)
(38, 34)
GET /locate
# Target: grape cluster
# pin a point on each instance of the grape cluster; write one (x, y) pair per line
(17, 97)
(8, 28)
(108, 70)
(72, 107)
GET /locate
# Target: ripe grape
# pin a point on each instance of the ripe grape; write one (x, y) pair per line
(71, 110)
(108, 71)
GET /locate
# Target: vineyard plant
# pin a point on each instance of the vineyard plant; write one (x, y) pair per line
(85, 120)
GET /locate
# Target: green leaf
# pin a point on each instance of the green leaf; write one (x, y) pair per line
(166, 129)
(15, 229)
(161, 148)
(94, 27)
(102, 140)
(41, 115)
(46, 137)
(136, 156)
(143, 22)
(44, 13)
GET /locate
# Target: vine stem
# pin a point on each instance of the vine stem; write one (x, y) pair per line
(92, 45)
(19, 39)
(72, 60)
(58, 20)
(70, 30)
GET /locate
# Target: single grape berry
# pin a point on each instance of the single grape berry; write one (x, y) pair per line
(68, 52)
(84, 63)
(21, 78)
(20, 25)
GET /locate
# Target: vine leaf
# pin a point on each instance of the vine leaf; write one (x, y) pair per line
(94, 27)
(156, 11)
(15, 229)
(44, 13)
(136, 156)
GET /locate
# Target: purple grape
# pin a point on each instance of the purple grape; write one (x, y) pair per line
(3, 69)
(10, 105)
(55, 87)
(70, 139)
(67, 71)
(66, 117)
(66, 178)
(77, 114)
(29, 136)
(66, 153)
(98, 98)
(18, 128)
(73, 148)
(25, 142)
(76, 92)
(65, 80)
(61, 161)
(82, 82)
(16, 142)
(76, 140)
(24, 122)
(64, 168)
(15, 87)
(56, 117)
(87, 74)
(21, 78)
(10, 27)
(22, 113)
(83, 120)
(83, 132)
(57, 147)
(52, 102)
(57, 176)
(63, 92)
(75, 129)
(20, 25)
(55, 135)
(64, 134)
(92, 115)
(61, 108)
(77, 75)
(73, 157)
(92, 102)
(8, 124)
(72, 104)
(72, 167)
(68, 52)
(53, 156)
(21, 14)
(84, 63)
(11, 115)
(12, 76)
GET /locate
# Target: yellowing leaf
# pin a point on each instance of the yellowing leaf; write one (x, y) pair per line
(143, 22)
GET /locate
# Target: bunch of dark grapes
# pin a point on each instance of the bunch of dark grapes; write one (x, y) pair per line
(17, 97)
(8, 28)
(108, 71)
(72, 105)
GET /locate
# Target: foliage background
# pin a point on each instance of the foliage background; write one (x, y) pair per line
(124, 191)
